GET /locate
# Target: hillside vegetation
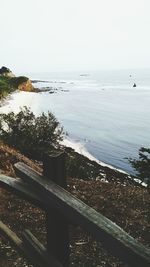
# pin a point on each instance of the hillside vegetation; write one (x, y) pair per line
(5, 86)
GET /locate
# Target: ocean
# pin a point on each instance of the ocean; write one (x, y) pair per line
(102, 114)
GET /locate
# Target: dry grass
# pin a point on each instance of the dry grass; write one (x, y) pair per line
(9, 156)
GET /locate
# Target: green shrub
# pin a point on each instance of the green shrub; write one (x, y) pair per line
(32, 135)
(142, 165)
(5, 86)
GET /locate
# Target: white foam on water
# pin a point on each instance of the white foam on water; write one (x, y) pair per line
(30, 99)
(80, 148)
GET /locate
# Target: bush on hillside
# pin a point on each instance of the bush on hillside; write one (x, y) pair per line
(32, 135)
(142, 165)
(5, 86)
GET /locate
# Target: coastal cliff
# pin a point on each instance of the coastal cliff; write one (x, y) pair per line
(22, 83)
(26, 86)
(9, 83)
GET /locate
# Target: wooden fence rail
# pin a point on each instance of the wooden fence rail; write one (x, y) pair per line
(30, 247)
(48, 192)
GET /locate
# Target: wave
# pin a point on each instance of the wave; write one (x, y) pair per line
(81, 149)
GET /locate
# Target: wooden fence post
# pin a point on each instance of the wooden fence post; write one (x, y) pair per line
(57, 225)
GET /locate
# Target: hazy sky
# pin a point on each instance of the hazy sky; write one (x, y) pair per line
(47, 35)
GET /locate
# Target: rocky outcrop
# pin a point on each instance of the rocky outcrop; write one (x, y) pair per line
(26, 86)
(11, 82)
(23, 83)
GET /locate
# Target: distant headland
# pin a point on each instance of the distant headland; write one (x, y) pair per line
(9, 82)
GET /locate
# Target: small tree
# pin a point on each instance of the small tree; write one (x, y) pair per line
(142, 165)
(32, 135)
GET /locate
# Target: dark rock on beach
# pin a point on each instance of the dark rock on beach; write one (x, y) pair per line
(38, 81)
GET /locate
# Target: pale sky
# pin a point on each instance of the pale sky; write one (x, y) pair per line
(61, 35)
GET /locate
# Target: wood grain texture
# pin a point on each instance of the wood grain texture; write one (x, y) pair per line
(6, 232)
(38, 250)
(57, 225)
(29, 247)
(23, 190)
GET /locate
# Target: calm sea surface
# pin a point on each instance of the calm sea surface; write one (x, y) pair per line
(100, 110)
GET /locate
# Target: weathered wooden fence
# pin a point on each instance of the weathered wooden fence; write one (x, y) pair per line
(48, 192)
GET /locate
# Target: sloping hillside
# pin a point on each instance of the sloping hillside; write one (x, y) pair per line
(128, 206)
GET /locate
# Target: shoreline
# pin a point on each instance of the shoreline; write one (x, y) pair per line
(79, 148)
(67, 142)
(27, 99)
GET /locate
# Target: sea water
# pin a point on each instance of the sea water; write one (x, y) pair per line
(101, 112)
